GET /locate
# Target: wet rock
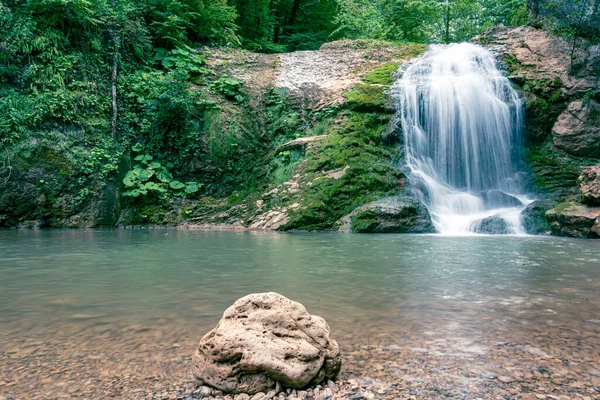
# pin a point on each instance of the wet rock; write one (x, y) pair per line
(574, 219)
(398, 214)
(577, 130)
(534, 217)
(589, 184)
(498, 199)
(263, 339)
(494, 225)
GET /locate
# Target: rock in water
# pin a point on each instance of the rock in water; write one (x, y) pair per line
(577, 130)
(589, 183)
(534, 217)
(574, 219)
(263, 339)
(494, 225)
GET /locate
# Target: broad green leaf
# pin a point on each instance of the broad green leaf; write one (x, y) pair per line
(152, 186)
(132, 193)
(176, 185)
(145, 175)
(192, 187)
(164, 175)
(130, 179)
(137, 147)
(144, 158)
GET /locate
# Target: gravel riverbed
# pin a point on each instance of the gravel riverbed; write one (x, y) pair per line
(512, 360)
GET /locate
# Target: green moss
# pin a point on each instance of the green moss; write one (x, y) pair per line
(350, 167)
(366, 97)
(512, 64)
(555, 171)
(382, 75)
(567, 206)
(371, 94)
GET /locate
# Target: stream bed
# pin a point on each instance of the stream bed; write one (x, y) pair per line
(118, 313)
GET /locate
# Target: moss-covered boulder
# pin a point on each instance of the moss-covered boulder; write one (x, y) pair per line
(396, 214)
(574, 219)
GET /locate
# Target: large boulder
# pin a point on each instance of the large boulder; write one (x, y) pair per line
(577, 130)
(534, 219)
(589, 184)
(396, 214)
(574, 219)
(494, 225)
(263, 339)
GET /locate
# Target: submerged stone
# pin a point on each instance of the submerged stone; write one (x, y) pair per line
(265, 339)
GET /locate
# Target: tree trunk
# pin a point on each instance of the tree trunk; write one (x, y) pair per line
(295, 8)
(115, 73)
(534, 13)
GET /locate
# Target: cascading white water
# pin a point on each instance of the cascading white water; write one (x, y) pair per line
(462, 124)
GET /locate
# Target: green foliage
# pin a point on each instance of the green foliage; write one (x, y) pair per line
(150, 177)
(183, 58)
(230, 88)
(425, 21)
(573, 19)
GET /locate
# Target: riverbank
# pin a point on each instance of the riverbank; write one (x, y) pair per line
(141, 362)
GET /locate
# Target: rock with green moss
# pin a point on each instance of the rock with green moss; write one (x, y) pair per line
(396, 214)
(371, 95)
(575, 220)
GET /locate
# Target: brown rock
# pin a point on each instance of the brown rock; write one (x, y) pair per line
(574, 219)
(263, 339)
(589, 183)
(577, 130)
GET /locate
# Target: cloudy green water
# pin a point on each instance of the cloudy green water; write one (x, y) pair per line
(91, 278)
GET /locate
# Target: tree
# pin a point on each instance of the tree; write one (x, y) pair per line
(573, 19)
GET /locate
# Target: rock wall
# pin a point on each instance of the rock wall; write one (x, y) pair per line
(561, 95)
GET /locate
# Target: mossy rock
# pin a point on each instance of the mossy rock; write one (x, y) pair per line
(575, 220)
(397, 214)
(372, 94)
(368, 98)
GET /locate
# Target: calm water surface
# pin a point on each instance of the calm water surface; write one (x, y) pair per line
(68, 276)
(66, 291)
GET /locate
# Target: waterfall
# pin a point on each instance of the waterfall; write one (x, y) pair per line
(462, 124)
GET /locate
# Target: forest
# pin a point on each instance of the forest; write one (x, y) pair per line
(88, 84)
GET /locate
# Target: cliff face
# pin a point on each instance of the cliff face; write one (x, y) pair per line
(291, 141)
(305, 140)
(561, 93)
